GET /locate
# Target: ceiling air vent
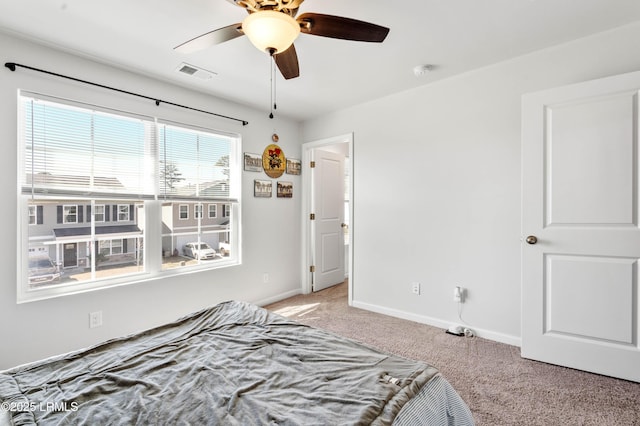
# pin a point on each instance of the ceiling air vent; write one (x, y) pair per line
(192, 70)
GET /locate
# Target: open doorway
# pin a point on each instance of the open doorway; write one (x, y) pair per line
(327, 212)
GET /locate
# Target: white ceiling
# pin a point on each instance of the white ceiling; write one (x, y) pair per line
(453, 35)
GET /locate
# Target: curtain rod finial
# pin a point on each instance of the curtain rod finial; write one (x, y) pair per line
(10, 65)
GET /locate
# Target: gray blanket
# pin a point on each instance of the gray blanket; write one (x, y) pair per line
(233, 364)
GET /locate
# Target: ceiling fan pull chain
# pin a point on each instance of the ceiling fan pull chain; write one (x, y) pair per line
(275, 79)
(272, 85)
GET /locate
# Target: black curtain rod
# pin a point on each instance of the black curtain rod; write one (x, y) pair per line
(12, 66)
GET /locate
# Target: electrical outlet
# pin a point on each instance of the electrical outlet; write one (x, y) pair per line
(415, 288)
(458, 294)
(265, 277)
(95, 319)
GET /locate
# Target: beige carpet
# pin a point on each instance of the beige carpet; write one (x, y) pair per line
(500, 387)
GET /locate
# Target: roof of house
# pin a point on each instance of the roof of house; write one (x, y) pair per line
(72, 180)
(100, 230)
(216, 189)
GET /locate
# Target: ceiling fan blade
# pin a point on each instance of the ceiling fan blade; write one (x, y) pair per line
(342, 28)
(210, 39)
(287, 63)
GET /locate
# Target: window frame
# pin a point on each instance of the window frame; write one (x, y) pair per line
(65, 215)
(33, 213)
(103, 214)
(123, 209)
(152, 210)
(215, 211)
(186, 211)
(103, 246)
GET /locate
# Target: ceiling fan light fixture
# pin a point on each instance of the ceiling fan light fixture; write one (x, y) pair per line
(271, 31)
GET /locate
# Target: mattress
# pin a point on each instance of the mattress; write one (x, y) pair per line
(232, 364)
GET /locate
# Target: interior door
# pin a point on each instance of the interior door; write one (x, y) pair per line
(328, 208)
(580, 226)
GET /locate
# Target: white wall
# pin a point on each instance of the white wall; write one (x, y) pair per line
(270, 230)
(437, 184)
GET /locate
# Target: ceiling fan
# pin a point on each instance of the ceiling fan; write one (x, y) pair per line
(272, 26)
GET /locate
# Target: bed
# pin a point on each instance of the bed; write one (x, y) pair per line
(231, 364)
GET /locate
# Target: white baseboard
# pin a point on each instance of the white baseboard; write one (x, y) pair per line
(277, 298)
(435, 322)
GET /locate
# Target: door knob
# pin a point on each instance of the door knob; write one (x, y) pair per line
(531, 239)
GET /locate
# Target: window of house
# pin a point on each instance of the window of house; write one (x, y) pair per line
(197, 211)
(116, 247)
(184, 211)
(36, 215)
(226, 210)
(212, 211)
(98, 215)
(100, 179)
(123, 212)
(110, 247)
(70, 214)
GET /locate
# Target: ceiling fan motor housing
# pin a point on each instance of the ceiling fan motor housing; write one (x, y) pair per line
(290, 7)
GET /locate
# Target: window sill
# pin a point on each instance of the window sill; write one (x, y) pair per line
(61, 290)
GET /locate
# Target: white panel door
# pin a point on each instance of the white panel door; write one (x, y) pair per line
(581, 239)
(328, 206)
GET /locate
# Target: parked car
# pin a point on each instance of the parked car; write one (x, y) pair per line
(43, 270)
(199, 251)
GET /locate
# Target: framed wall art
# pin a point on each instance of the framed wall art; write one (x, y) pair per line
(252, 162)
(262, 188)
(285, 189)
(293, 166)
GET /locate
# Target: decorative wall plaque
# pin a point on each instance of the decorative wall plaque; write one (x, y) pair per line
(273, 161)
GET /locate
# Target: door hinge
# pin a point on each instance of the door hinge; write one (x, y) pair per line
(312, 268)
(312, 164)
(312, 216)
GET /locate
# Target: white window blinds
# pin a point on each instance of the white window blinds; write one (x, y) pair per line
(78, 151)
(194, 164)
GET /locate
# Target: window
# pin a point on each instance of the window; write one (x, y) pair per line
(196, 169)
(226, 210)
(98, 215)
(123, 212)
(105, 177)
(212, 211)
(36, 215)
(110, 247)
(184, 211)
(70, 214)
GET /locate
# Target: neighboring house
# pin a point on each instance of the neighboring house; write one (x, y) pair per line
(62, 229)
(180, 218)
